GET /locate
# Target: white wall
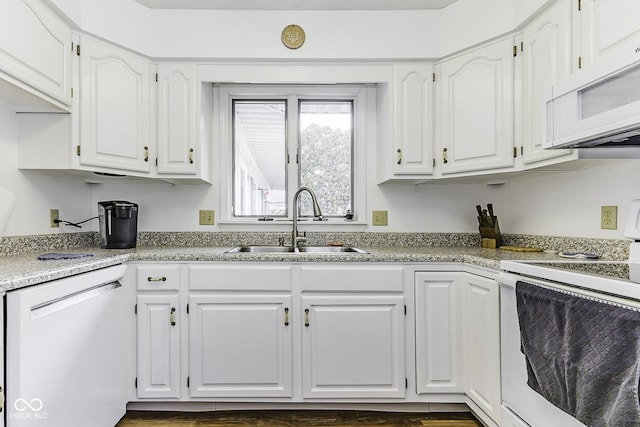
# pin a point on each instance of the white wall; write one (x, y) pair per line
(560, 204)
(37, 193)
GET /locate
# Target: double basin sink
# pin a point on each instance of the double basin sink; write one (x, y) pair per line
(300, 249)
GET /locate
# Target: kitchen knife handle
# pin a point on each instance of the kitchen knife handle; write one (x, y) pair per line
(444, 155)
(172, 316)
(399, 156)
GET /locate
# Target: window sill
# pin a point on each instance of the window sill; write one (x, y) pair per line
(286, 225)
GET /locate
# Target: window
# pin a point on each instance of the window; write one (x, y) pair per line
(282, 138)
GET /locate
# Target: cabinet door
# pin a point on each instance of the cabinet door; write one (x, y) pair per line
(413, 153)
(35, 47)
(547, 55)
(114, 107)
(176, 119)
(240, 345)
(608, 27)
(476, 115)
(158, 345)
(482, 341)
(353, 346)
(439, 364)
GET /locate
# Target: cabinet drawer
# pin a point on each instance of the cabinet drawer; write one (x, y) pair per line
(239, 277)
(352, 278)
(158, 277)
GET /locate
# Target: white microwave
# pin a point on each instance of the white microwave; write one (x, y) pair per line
(597, 107)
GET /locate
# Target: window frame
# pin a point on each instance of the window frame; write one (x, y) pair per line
(363, 112)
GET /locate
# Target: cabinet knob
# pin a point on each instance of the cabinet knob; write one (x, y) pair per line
(444, 155)
(146, 153)
(191, 155)
(286, 316)
(156, 279)
(306, 317)
(399, 156)
(172, 316)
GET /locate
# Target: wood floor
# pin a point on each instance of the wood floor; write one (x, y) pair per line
(297, 419)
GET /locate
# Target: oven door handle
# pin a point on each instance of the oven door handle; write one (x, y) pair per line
(508, 279)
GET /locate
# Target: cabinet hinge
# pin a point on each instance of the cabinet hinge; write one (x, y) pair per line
(515, 51)
(78, 150)
(406, 383)
(136, 382)
(515, 152)
(434, 77)
(78, 50)
(188, 382)
(135, 309)
(579, 62)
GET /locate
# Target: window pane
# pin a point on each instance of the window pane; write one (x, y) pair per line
(326, 151)
(259, 158)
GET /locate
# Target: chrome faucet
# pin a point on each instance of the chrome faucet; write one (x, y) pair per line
(316, 212)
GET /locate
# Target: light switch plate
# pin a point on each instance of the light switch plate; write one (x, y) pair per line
(207, 217)
(379, 218)
(609, 218)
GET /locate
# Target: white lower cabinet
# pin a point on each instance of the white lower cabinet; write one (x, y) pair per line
(439, 363)
(304, 332)
(481, 332)
(239, 345)
(458, 338)
(158, 346)
(352, 346)
(353, 331)
(158, 324)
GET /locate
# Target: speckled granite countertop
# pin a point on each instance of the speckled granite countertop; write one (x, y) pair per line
(18, 271)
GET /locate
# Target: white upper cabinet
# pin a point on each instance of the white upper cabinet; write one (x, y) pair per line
(177, 124)
(607, 27)
(413, 152)
(475, 111)
(114, 107)
(547, 55)
(35, 48)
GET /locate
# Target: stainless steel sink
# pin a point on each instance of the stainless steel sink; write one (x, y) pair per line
(301, 249)
(331, 250)
(261, 249)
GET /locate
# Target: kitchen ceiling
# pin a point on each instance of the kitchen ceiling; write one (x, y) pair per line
(298, 4)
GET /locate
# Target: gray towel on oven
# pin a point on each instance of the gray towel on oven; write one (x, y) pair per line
(582, 355)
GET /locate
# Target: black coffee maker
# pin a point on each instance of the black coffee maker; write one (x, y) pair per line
(118, 224)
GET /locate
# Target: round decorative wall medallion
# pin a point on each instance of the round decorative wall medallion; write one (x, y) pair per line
(292, 36)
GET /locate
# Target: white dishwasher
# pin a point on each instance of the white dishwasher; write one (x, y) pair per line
(66, 352)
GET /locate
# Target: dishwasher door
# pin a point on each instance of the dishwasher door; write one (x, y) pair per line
(66, 355)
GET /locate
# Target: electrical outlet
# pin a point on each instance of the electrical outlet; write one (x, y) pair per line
(54, 214)
(207, 217)
(609, 218)
(379, 218)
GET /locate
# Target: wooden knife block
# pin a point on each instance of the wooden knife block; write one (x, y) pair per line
(492, 233)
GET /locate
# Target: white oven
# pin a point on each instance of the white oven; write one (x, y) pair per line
(521, 405)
